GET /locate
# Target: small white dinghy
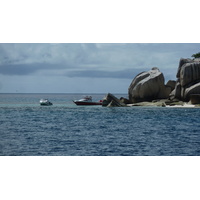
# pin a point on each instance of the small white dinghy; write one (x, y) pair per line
(45, 102)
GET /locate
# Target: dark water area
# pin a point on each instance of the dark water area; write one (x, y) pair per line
(64, 129)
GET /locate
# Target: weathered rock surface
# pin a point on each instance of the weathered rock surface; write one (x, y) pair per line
(188, 79)
(148, 86)
(181, 63)
(111, 101)
(189, 73)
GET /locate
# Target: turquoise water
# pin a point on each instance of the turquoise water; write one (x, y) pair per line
(64, 129)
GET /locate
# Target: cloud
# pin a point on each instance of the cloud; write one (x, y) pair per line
(39, 53)
(28, 69)
(90, 60)
(32, 67)
(121, 74)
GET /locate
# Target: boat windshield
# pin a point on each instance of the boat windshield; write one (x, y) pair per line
(88, 98)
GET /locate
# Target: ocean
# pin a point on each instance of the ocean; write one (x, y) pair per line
(65, 129)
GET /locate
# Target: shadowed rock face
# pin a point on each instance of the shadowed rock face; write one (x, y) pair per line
(194, 89)
(171, 84)
(181, 63)
(195, 99)
(188, 81)
(148, 86)
(111, 101)
(189, 73)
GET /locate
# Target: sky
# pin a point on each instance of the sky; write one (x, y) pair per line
(85, 67)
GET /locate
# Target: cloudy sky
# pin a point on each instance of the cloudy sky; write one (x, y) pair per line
(84, 67)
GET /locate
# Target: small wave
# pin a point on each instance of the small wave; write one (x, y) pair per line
(181, 106)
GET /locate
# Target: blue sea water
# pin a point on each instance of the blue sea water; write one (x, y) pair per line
(64, 129)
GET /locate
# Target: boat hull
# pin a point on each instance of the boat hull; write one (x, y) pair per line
(79, 103)
(46, 104)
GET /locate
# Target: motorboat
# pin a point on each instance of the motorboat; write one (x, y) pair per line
(45, 102)
(87, 101)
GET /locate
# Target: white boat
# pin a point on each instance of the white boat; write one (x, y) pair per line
(87, 101)
(45, 102)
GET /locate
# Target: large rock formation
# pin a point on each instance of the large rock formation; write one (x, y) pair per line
(148, 86)
(188, 79)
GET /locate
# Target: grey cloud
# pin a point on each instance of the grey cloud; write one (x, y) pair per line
(90, 59)
(16, 70)
(27, 69)
(121, 74)
(118, 74)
